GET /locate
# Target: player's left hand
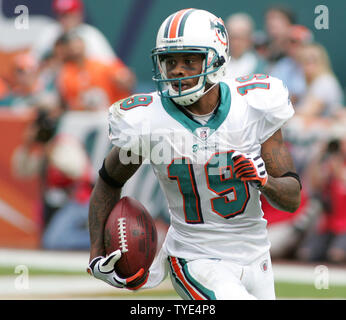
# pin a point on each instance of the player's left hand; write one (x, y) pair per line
(250, 168)
(103, 268)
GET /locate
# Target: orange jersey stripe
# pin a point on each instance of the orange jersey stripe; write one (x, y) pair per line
(181, 277)
(175, 23)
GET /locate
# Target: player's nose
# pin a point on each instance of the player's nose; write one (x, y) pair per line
(179, 69)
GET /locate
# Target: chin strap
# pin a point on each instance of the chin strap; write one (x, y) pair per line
(178, 99)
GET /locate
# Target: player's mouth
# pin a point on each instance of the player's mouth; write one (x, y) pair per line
(184, 86)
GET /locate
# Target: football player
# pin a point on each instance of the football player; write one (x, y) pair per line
(215, 145)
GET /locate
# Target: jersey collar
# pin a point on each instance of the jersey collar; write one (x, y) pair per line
(214, 122)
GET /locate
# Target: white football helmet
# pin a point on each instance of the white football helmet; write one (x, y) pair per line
(191, 30)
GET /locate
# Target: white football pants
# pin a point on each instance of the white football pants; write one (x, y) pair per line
(222, 280)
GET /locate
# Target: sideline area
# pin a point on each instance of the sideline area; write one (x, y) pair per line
(36, 274)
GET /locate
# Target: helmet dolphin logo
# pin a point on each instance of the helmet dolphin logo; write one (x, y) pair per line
(220, 30)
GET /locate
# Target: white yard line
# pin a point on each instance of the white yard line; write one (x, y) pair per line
(309, 274)
(78, 261)
(23, 285)
(73, 287)
(49, 260)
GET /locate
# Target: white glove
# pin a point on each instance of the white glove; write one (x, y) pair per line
(250, 168)
(103, 268)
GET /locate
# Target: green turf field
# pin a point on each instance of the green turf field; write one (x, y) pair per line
(284, 290)
(301, 291)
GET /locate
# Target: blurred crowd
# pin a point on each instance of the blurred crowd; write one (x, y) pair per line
(72, 68)
(316, 135)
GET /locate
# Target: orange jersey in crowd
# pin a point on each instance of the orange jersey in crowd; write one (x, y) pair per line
(3, 89)
(76, 81)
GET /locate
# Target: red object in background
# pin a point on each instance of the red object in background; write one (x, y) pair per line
(20, 220)
(67, 6)
(335, 220)
(82, 187)
(273, 215)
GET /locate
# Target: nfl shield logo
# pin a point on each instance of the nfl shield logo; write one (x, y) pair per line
(264, 265)
(203, 133)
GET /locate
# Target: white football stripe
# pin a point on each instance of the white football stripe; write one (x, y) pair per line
(16, 218)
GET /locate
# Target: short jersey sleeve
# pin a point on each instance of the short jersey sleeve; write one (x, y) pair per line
(123, 131)
(273, 107)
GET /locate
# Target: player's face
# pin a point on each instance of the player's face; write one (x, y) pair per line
(179, 65)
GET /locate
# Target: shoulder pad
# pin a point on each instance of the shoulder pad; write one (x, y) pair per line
(263, 92)
(132, 102)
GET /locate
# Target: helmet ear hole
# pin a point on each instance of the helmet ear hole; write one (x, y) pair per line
(219, 62)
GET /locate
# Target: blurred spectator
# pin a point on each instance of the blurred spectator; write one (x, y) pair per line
(30, 159)
(318, 112)
(261, 44)
(51, 65)
(70, 165)
(320, 104)
(87, 84)
(324, 95)
(65, 173)
(327, 180)
(26, 89)
(278, 20)
(70, 16)
(287, 68)
(244, 60)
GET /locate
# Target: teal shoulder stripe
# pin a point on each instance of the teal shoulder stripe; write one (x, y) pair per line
(183, 21)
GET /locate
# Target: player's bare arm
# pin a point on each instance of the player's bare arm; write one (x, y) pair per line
(282, 192)
(104, 197)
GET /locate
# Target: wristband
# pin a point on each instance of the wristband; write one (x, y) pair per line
(108, 179)
(293, 175)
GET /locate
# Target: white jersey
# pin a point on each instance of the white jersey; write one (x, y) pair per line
(213, 214)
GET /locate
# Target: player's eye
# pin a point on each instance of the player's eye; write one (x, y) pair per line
(170, 62)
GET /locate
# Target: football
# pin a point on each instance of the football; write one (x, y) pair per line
(131, 229)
